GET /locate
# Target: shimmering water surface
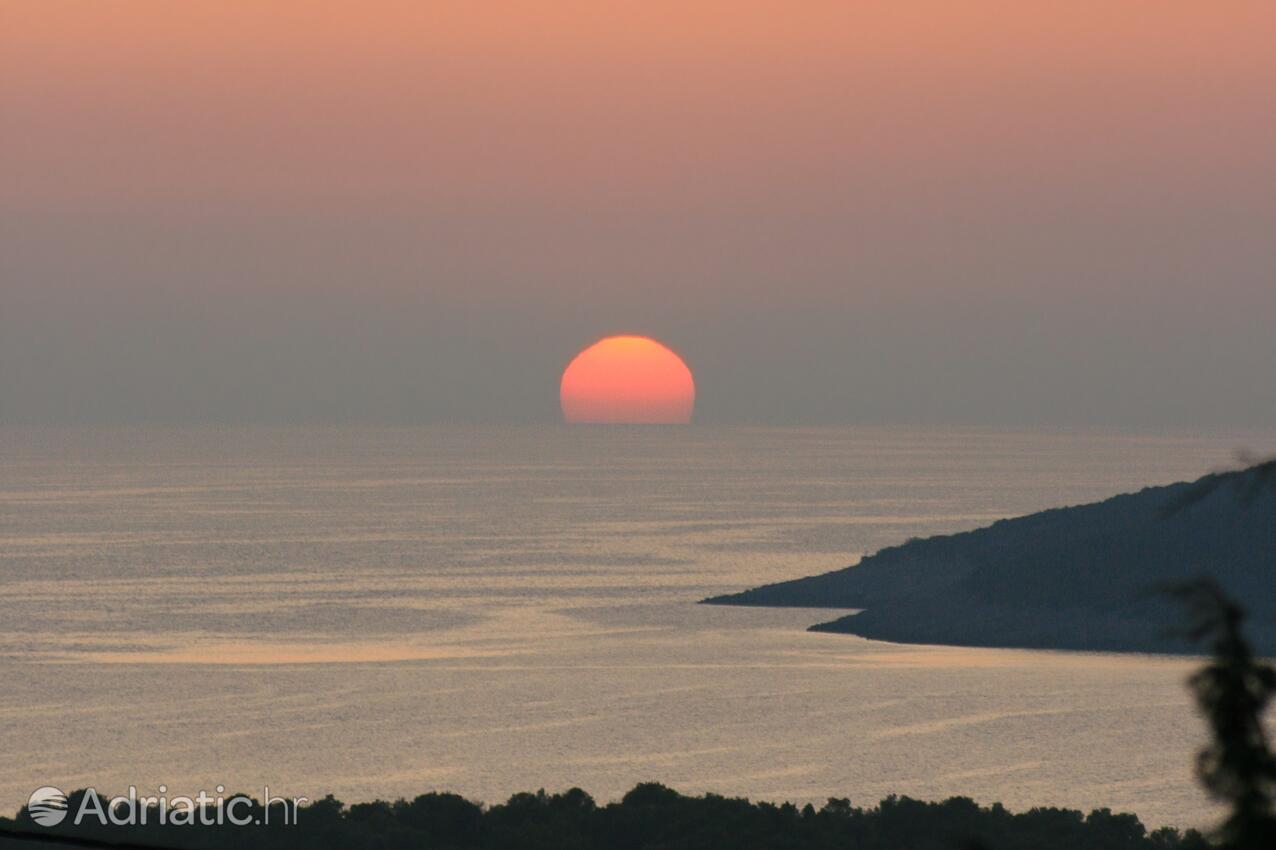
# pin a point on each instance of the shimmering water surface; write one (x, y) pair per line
(376, 613)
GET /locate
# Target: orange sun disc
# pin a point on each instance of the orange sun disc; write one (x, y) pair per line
(631, 379)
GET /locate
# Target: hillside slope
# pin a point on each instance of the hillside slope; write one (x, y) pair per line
(1082, 578)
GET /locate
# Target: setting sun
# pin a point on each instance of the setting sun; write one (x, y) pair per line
(627, 379)
(918, 333)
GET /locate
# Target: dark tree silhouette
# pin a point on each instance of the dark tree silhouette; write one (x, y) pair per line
(1234, 688)
(1233, 691)
(650, 817)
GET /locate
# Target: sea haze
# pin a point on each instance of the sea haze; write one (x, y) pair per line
(376, 613)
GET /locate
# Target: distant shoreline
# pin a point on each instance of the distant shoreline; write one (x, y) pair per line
(1085, 578)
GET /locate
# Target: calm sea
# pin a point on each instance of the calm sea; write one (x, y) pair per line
(376, 613)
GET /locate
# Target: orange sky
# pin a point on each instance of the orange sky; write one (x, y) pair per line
(291, 103)
(935, 210)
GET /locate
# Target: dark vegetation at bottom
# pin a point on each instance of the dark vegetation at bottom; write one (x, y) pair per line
(653, 816)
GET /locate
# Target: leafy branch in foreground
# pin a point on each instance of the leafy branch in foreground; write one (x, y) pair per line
(1232, 691)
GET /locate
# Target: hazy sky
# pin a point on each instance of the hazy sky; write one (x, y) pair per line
(938, 212)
